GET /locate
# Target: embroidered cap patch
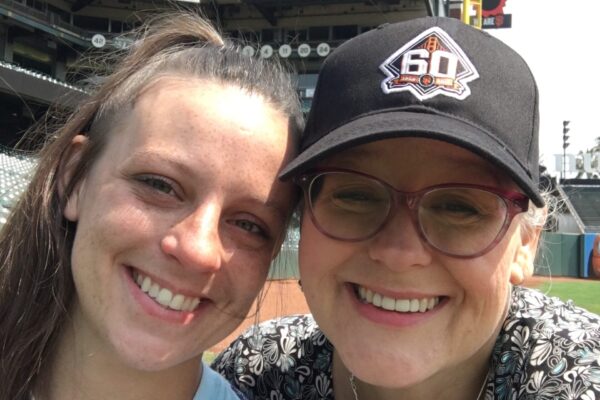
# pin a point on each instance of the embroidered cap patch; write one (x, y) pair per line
(431, 64)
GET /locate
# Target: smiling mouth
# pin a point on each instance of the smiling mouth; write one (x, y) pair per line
(163, 296)
(420, 305)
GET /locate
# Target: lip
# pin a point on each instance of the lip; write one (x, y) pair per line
(392, 318)
(153, 309)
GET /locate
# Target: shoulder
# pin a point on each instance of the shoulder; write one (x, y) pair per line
(548, 348)
(283, 358)
(213, 386)
(549, 317)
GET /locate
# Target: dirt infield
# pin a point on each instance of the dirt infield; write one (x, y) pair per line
(284, 297)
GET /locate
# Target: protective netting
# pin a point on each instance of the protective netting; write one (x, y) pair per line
(15, 172)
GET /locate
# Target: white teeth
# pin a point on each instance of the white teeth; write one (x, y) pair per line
(177, 302)
(402, 305)
(423, 305)
(154, 289)
(388, 303)
(414, 305)
(186, 303)
(377, 299)
(432, 302)
(362, 291)
(165, 297)
(146, 283)
(399, 305)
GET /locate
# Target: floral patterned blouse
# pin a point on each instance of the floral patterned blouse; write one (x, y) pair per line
(546, 350)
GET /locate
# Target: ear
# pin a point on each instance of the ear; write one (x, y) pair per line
(66, 171)
(523, 263)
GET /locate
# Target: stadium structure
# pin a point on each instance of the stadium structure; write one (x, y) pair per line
(42, 41)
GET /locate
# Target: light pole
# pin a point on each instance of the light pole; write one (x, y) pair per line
(565, 145)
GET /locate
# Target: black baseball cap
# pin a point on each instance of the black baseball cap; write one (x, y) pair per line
(430, 77)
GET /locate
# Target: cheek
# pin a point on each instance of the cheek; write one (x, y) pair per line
(308, 250)
(485, 281)
(247, 275)
(322, 263)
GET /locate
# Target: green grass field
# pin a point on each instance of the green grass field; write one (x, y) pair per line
(583, 294)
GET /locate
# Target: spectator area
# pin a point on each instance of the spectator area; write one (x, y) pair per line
(15, 170)
(583, 200)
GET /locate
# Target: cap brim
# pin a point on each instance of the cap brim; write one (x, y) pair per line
(394, 124)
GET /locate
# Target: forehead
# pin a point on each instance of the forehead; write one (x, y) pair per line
(217, 133)
(176, 109)
(419, 162)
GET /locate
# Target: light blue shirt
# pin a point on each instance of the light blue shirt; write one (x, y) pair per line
(214, 387)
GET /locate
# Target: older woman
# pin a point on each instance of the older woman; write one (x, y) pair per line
(149, 225)
(421, 217)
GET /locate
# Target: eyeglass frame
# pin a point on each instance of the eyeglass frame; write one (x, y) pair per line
(516, 203)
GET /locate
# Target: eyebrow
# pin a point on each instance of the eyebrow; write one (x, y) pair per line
(151, 156)
(272, 205)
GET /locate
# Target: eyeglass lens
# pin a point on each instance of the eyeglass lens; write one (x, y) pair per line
(456, 220)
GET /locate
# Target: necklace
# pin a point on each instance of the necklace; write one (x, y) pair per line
(355, 388)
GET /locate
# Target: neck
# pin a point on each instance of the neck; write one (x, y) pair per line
(454, 384)
(81, 368)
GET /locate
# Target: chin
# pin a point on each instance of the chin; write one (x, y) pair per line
(381, 368)
(151, 354)
(389, 376)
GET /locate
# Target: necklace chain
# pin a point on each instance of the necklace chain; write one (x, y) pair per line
(355, 388)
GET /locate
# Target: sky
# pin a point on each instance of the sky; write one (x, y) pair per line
(559, 41)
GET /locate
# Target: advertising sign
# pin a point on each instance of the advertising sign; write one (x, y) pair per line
(591, 256)
(492, 12)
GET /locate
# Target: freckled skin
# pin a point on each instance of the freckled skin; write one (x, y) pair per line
(219, 149)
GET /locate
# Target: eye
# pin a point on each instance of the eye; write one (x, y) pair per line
(455, 207)
(250, 227)
(357, 199)
(462, 206)
(157, 183)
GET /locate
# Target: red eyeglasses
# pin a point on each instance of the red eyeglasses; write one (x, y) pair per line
(459, 220)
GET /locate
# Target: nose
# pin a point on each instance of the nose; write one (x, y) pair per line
(195, 240)
(399, 245)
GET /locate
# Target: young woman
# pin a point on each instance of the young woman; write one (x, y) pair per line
(421, 217)
(149, 225)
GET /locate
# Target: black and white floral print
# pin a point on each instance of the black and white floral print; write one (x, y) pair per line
(546, 350)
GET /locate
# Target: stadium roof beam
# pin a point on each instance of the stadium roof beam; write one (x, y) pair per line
(80, 4)
(21, 15)
(38, 88)
(299, 3)
(267, 12)
(437, 7)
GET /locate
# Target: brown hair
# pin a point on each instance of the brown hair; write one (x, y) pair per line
(36, 286)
